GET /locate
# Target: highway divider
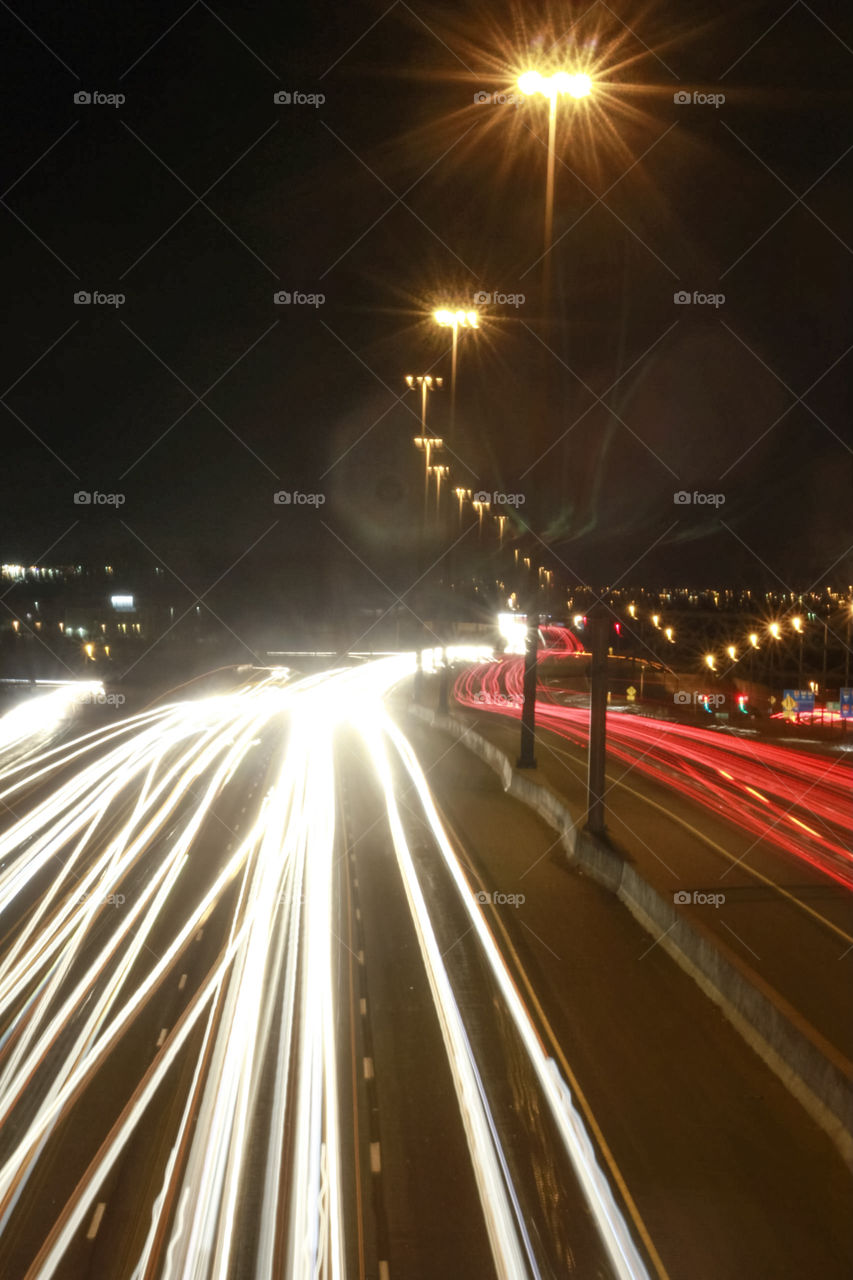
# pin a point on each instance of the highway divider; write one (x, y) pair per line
(812, 1069)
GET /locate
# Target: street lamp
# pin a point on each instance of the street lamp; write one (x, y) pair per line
(426, 383)
(455, 320)
(501, 522)
(797, 624)
(427, 444)
(552, 87)
(439, 470)
(461, 494)
(480, 508)
(709, 661)
(774, 631)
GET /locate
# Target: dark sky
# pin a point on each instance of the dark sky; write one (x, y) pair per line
(199, 197)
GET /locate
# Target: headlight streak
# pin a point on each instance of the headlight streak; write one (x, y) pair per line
(513, 1257)
(41, 716)
(611, 1225)
(262, 1098)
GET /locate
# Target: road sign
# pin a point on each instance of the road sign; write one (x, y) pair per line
(631, 693)
(797, 702)
(846, 704)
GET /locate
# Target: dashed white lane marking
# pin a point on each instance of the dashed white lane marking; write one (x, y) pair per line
(162, 1036)
(355, 882)
(198, 935)
(384, 1271)
(183, 982)
(375, 1158)
(358, 913)
(362, 1006)
(361, 957)
(368, 1068)
(96, 1219)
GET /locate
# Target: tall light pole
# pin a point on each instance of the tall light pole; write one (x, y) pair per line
(797, 624)
(455, 320)
(753, 645)
(552, 87)
(480, 508)
(427, 445)
(439, 470)
(425, 383)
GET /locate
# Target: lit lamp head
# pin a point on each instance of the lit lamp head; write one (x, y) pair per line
(577, 85)
(456, 319)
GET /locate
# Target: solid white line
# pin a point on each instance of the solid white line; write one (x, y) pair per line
(96, 1220)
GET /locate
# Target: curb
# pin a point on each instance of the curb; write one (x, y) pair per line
(818, 1076)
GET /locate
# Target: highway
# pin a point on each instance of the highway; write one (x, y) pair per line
(753, 840)
(255, 1022)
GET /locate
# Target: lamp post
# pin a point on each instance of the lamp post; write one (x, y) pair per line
(480, 508)
(753, 645)
(797, 624)
(427, 445)
(552, 87)
(455, 320)
(461, 495)
(438, 470)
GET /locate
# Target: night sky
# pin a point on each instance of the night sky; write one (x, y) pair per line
(200, 197)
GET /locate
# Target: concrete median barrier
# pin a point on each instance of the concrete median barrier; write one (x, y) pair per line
(815, 1072)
